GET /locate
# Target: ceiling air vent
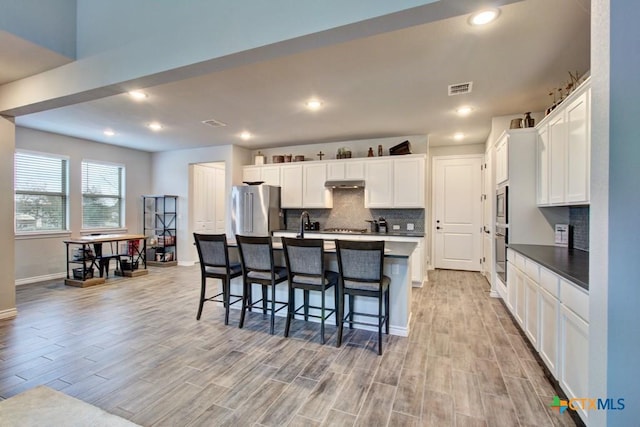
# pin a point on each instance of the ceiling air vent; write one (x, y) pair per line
(460, 88)
(214, 123)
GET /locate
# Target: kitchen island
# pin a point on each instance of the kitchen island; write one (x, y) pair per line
(397, 266)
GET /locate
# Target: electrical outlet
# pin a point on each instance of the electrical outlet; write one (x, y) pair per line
(396, 227)
(410, 227)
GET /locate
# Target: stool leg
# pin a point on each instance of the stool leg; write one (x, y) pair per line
(226, 290)
(322, 319)
(340, 315)
(386, 303)
(203, 288)
(246, 295)
(273, 308)
(306, 305)
(351, 309)
(380, 321)
(264, 299)
(336, 297)
(290, 310)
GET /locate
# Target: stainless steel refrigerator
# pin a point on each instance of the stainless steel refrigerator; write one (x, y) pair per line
(256, 210)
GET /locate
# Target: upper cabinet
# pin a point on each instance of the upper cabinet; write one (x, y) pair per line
(564, 147)
(408, 182)
(502, 160)
(345, 169)
(394, 182)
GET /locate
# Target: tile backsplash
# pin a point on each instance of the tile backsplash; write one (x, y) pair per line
(349, 212)
(579, 220)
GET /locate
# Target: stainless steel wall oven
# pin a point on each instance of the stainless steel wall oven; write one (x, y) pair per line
(501, 234)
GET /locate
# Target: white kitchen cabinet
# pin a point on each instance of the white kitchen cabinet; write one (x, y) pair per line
(408, 182)
(564, 150)
(578, 149)
(252, 173)
(531, 314)
(542, 166)
(291, 183)
(270, 175)
(314, 193)
(557, 159)
(502, 160)
(574, 351)
(511, 287)
(345, 169)
(549, 307)
(378, 191)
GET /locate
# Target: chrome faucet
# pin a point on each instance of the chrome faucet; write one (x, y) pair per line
(302, 215)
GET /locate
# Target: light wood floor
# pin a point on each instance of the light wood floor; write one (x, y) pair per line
(134, 348)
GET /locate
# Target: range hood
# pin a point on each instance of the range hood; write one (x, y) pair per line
(344, 183)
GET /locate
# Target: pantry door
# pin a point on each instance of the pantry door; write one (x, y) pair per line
(457, 212)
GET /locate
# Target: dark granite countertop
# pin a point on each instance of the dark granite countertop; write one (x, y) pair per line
(572, 264)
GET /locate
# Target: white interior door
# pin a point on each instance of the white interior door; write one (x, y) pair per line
(209, 198)
(457, 220)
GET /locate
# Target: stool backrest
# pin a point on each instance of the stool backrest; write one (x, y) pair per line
(304, 256)
(256, 253)
(212, 250)
(360, 261)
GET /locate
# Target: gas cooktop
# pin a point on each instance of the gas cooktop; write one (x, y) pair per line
(345, 230)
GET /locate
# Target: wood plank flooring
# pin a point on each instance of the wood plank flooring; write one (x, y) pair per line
(134, 348)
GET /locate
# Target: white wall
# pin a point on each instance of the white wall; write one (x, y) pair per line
(43, 257)
(171, 176)
(7, 266)
(359, 148)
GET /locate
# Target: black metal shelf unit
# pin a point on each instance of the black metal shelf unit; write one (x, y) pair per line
(160, 226)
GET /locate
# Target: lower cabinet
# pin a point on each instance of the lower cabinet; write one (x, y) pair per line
(574, 350)
(553, 313)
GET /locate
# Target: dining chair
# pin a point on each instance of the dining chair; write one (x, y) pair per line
(213, 253)
(360, 265)
(306, 271)
(256, 258)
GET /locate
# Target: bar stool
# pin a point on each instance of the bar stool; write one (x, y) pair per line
(305, 263)
(256, 257)
(361, 274)
(213, 253)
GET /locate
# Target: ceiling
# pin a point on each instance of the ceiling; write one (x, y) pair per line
(392, 84)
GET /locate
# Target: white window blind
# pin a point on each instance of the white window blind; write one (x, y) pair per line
(40, 183)
(102, 195)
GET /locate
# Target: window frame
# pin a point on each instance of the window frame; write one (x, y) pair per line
(64, 194)
(121, 197)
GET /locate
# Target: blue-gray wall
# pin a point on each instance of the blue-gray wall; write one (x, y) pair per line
(624, 213)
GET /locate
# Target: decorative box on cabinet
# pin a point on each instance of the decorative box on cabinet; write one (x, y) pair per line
(160, 221)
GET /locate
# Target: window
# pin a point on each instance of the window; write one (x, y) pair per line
(102, 195)
(40, 182)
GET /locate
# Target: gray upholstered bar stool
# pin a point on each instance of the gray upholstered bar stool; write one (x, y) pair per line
(361, 274)
(305, 264)
(213, 253)
(256, 257)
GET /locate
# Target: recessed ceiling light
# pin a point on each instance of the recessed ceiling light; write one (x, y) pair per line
(314, 104)
(459, 136)
(245, 135)
(484, 17)
(109, 132)
(464, 111)
(155, 126)
(138, 95)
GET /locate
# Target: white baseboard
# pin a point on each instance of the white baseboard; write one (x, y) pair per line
(37, 279)
(8, 314)
(186, 263)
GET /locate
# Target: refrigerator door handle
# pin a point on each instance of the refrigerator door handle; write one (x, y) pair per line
(248, 209)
